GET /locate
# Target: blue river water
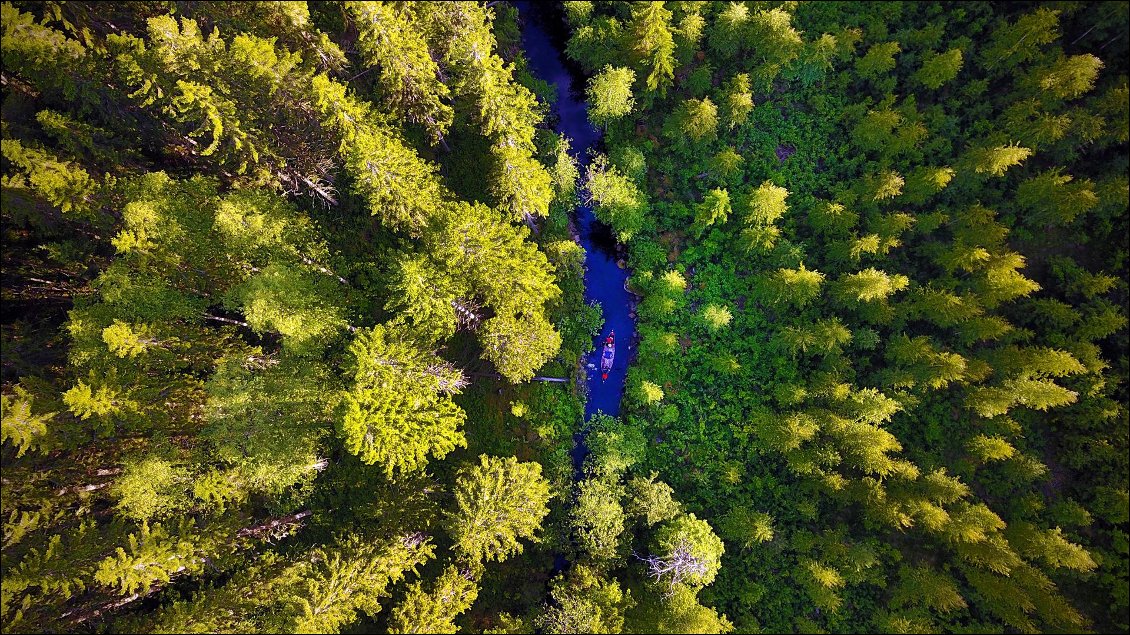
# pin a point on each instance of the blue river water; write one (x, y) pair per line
(604, 279)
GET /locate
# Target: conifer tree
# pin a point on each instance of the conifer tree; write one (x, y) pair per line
(824, 336)
(821, 582)
(216, 90)
(1067, 77)
(1033, 125)
(19, 424)
(678, 611)
(985, 448)
(286, 300)
(521, 183)
(1052, 197)
(650, 392)
(1001, 282)
(1014, 44)
(475, 254)
(589, 44)
(409, 76)
(689, 31)
(925, 586)
(746, 527)
(995, 160)
(619, 201)
(884, 185)
(50, 574)
(766, 204)
(715, 208)
(727, 164)
(869, 285)
(399, 410)
(610, 94)
(653, 46)
(434, 611)
(265, 418)
(399, 186)
(787, 433)
(585, 602)
(832, 219)
(939, 68)
(151, 487)
(696, 119)
(597, 520)
(497, 502)
(728, 33)
(578, 13)
(649, 500)
(519, 343)
(778, 43)
(1113, 105)
(614, 447)
(427, 301)
(924, 182)
(876, 131)
(1049, 545)
(815, 59)
(563, 169)
(1033, 361)
(795, 287)
(865, 446)
(62, 183)
(919, 361)
(506, 110)
(153, 556)
(879, 60)
(320, 590)
(737, 101)
(53, 62)
(941, 307)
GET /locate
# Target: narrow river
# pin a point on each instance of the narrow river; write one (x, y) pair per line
(604, 279)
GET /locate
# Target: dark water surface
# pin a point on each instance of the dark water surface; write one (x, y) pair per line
(604, 280)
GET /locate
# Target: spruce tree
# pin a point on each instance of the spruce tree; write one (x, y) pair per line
(939, 68)
(585, 601)
(737, 101)
(653, 46)
(610, 94)
(597, 520)
(497, 502)
(434, 611)
(399, 410)
(409, 76)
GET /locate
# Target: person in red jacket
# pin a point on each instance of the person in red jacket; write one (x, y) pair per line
(607, 355)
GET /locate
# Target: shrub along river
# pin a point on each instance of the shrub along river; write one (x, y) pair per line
(543, 37)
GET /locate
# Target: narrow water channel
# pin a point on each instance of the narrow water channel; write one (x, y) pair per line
(604, 279)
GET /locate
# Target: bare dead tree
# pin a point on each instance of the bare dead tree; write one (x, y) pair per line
(449, 379)
(323, 269)
(276, 528)
(414, 539)
(676, 567)
(466, 312)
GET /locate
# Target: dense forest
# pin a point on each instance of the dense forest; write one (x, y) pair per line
(286, 288)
